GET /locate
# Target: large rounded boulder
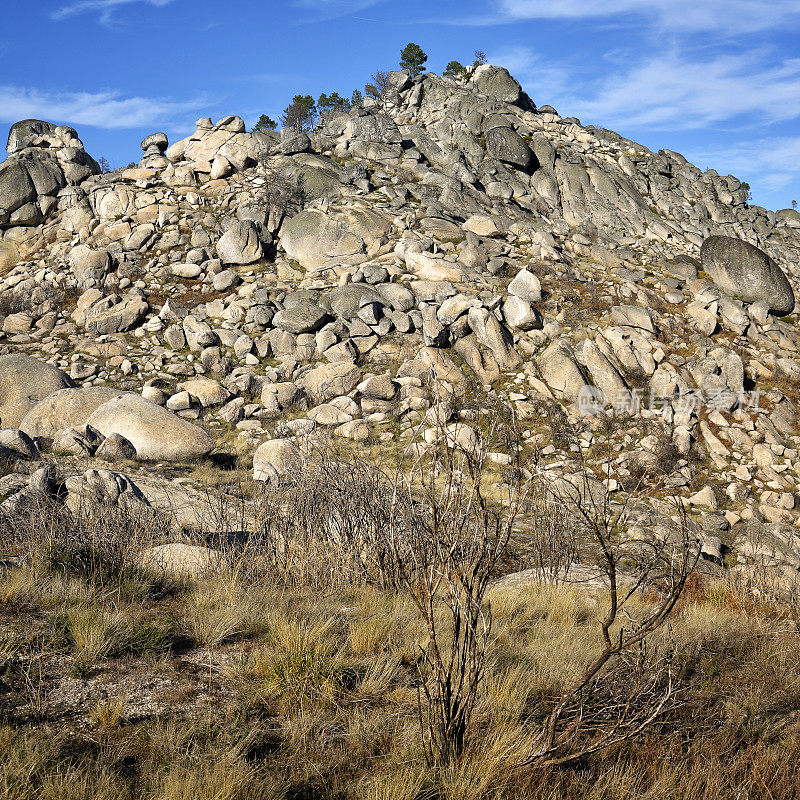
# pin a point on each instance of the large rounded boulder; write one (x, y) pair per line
(744, 271)
(66, 408)
(24, 382)
(89, 266)
(506, 145)
(316, 239)
(561, 370)
(156, 433)
(325, 382)
(497, 83)
(240, 244)
(276, 459)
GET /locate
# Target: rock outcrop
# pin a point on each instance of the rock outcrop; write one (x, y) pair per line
(43, 160)
(385, 278)
(216, 150)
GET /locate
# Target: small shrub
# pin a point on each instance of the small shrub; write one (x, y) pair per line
(214, 618)
(95, 633)
(300, 677)
(302, 664)
(108, 712)
(148, 637)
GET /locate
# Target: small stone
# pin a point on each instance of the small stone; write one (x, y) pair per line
(705, 497)
(115, 448)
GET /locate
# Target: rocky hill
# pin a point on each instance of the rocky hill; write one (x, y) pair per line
(404, 263)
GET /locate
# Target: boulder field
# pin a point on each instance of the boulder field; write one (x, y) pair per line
(386, 277)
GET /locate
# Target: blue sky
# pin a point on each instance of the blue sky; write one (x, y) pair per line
(717, 80)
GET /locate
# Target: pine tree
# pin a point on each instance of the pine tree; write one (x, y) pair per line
(265, 123)
(413, 59)
(301, 114)
(455, 69)
(332, 102)
(480, 59)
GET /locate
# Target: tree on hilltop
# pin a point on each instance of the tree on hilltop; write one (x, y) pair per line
(413, 58)
(379, 80)
(301, 114)
(265, 123)
(332, 102)
(455, 69)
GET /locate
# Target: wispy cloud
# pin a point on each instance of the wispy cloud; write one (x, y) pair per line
(669, 91)
(541, 77)
(772, 163)
(723, 17)
(331, 9)
(105, 109)
(104, 8)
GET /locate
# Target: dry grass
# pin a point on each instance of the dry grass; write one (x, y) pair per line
(240, 687)
(370, 636)
(405, 783)
(108, 712)
(215, 614)
(322, 704)
(95, 632)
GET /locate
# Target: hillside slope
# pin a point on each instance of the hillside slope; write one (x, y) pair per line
(405, 263)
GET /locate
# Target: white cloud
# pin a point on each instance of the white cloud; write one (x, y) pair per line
(543, 78)
(104, 109)
(668, 91)
(771, 164)
(717, 16)
(331, 9)
(105, 8)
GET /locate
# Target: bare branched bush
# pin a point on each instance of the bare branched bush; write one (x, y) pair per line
(428, 529)
(280, 196)
(626, 685)
(327, 527)
(756, 584)
(447, 541)
(552, 535)
(380, 79)
(101, 542)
